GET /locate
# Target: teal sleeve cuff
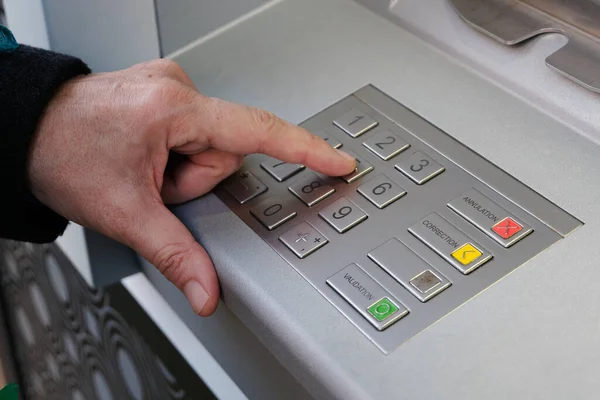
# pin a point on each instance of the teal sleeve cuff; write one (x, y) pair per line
(8, 43)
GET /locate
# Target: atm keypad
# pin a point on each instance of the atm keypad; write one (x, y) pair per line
(401, 241)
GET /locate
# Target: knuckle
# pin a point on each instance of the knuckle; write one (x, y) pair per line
(171, 260)
(165, 65)
(265, 120)
(167, 93)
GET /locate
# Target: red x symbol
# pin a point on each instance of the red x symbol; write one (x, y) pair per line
(506, 228)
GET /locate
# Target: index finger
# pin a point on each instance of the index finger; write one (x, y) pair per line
(244, 130)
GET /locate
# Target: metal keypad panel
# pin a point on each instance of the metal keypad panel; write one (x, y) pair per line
(422, 225)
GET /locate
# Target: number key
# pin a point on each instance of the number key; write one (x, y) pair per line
(311, 189)
(355, 123)
(362, 168)
(273, 212)
(385, 144)
(280, 170)
(329, 138)
(381, 191)
(342, 215)
(420, 167)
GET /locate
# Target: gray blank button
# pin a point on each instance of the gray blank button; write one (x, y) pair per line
(362, 292)
(342, 215)
(410, 270)
(311, 189)
(385, 144)
(244, 186)
(273, 212)
(303, 239)
(355, 123)
(419, 167)
(426, 281)
(381, 191)
(280, 170)
(362, 168)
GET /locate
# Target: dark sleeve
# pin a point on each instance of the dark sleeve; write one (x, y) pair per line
(29, 78)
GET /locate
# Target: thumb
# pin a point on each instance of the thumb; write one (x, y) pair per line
(166, 243)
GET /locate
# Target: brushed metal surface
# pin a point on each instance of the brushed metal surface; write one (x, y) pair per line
(361, 226)
(536, 322)
(514, 21)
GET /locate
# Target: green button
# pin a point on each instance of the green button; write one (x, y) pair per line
(382, 309)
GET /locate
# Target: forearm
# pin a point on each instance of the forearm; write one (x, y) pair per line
(29, 78)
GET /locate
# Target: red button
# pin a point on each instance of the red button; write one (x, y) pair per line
(506, 228)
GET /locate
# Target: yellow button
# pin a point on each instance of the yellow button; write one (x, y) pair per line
(466, 254)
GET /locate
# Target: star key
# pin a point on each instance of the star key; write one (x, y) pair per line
(507, 228)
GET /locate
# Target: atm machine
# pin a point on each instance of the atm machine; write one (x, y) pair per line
(459, 260)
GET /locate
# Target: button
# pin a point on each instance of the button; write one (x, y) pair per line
(311, 189)
(420, 167)
(244, 186)
(450, 243)
(273, 212)
(362, 168)
(385, 144)
(280, 170)
(426, 281)
(466, 254)
(383, 309)
(489, 217)
(303, 239)
(507, 228)
(367, 297)
(381, 191)
(408, 269)
(329, 138)
(355, 123)
(342, 215)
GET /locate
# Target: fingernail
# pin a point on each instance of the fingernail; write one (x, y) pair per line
(345, 155)
(196, 295)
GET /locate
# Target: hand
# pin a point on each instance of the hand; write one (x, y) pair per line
(100, 155)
